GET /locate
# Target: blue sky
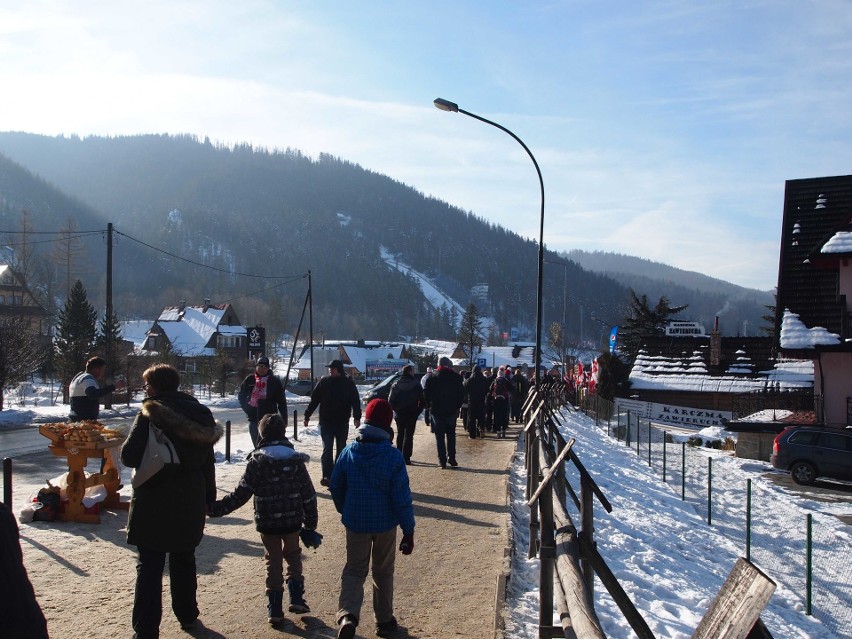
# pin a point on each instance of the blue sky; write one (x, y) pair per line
(663, 129)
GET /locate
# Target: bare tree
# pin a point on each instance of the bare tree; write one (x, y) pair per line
(22, 352)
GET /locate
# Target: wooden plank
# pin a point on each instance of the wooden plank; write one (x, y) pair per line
(550, 473)
(738, 605)
(531, 421)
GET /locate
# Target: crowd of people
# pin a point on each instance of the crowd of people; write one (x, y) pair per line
(367, 478)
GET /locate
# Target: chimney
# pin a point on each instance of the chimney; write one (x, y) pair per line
(206, 305)
(181, 306)
(715, 344)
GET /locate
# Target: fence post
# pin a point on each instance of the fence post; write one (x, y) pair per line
(748, 520)
(649, 442)
(638, 435)
(683, 472)
(709, 491)
(665, 439)
(627, 432)
(296, 425)
(7, 481)
(810, 574)
(228, 441)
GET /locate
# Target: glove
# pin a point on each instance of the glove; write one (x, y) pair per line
(307, 419)
(310, 538)
(407, 544)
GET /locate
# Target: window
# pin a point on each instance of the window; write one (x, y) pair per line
(229, 341)
(804, 437)
(835, 441)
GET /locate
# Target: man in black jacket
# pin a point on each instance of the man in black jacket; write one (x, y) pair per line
(444, 396)
(262, 393)
(476, 388)
(337, 398)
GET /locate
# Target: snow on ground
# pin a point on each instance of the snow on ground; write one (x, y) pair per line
(666, 557)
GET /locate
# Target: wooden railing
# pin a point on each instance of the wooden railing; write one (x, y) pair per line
(568, 556)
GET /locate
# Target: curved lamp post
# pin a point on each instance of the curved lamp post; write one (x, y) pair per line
(446, 105)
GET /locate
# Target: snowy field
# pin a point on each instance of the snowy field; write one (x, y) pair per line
(667, 558)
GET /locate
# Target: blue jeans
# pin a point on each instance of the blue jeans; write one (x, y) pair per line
(445, 437)
(331, 435)
(148, 599)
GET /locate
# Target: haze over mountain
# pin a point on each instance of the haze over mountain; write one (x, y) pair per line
(259, 220)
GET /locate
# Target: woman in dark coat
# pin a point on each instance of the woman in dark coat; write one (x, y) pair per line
(168, 511)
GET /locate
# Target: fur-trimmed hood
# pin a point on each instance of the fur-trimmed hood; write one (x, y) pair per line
(182, 416)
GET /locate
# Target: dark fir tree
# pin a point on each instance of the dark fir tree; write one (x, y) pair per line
(644, 321)
(108, 346)
(613, 376)
(470, 333)
(75, 336)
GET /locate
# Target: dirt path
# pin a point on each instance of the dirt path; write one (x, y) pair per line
(84, 574)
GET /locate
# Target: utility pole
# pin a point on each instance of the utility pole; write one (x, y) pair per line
(311, 324)
(108, 319)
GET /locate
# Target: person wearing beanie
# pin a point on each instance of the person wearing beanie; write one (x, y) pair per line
(406, 397)
(476, 389)
(261, 393)
(444, 396)
(337, 398)
(370, 489)
(285, 505)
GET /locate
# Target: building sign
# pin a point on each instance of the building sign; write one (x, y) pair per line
(683, 329)
(381, 368)
(677, 415)
(256, 340)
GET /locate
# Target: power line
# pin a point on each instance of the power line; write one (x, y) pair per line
(63, 238)
(212, 268)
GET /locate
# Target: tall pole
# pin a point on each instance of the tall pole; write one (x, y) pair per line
(311, 324)
(446, 105)
(108, 318)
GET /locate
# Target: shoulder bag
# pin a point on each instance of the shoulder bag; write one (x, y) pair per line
(159, 451)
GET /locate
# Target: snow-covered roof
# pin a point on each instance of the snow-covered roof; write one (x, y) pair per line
(135, 331)
(663, 373)
(795, 335)
(358, 356)
(190, 328)
(840, 242)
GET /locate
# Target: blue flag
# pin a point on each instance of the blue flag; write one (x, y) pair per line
(613, 339)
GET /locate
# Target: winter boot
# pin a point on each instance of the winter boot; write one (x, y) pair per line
(296, 586)
(274, 610)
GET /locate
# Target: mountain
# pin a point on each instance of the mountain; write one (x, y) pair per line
(707, 297)
(242, 224)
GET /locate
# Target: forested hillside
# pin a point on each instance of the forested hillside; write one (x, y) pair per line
(740, 310)
(178, 203)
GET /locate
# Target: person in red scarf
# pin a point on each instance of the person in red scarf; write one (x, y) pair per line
(262, 393)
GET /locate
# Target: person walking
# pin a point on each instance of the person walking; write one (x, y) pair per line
(444, 396)
(519, 396)
(85, 391)
(168, 511)
(476, 388)
(262, 393)
(370, 489)
(426, 376)
(501, 394)
(285, 506)
(406, 398)
(20, 614)
(337, 398)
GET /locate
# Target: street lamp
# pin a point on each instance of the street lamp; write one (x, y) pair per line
(446, 105)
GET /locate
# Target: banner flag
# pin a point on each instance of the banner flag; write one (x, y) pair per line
(613, 338)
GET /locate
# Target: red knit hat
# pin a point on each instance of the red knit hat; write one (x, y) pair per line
(379, 413)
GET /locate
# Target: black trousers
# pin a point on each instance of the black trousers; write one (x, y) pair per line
(405, 425)
(148, 600)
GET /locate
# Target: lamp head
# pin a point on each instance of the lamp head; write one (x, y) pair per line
(446, 105)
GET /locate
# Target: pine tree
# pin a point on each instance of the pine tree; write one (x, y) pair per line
(75, 336)
(108, 345)
(643, 321)
(470, 333)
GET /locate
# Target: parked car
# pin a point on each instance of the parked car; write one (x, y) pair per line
(382, 388)
(299, 386)
(809, 452)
